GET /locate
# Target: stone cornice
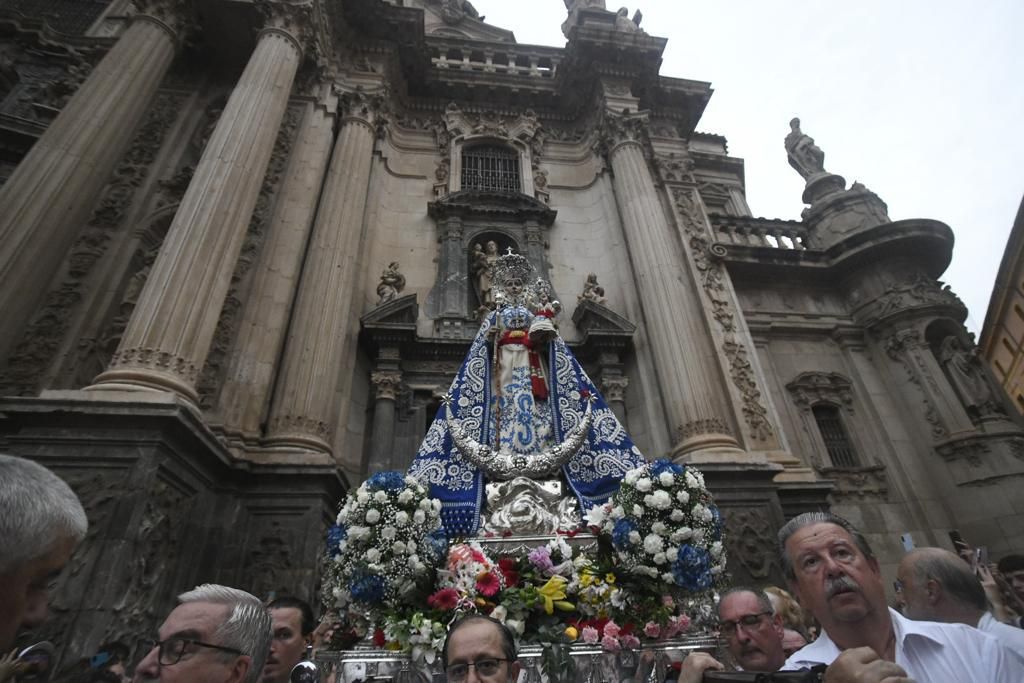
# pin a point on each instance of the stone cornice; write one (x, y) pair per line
(480, 203)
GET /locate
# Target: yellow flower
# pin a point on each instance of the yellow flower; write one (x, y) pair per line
(571, 633)
(553, 594)
(609, 578)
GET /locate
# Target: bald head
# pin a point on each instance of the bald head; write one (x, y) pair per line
(938, 585)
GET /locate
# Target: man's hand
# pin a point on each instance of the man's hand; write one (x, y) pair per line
(694, 666)
(863, 665)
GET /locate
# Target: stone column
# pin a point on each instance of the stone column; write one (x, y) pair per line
(613, 388)
(382, 447)
(303, 409)
(53, 190)
(166, 341)
(246, 392)
(691, 385)
(454, 262)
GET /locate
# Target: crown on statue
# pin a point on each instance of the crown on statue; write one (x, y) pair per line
(512, 275)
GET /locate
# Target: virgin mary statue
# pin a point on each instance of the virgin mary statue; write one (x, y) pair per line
(520, 406)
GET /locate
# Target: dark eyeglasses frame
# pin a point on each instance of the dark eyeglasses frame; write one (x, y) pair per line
(727, 628)
(148, 645)
(454, 669)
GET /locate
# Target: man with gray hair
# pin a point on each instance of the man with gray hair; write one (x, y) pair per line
(936, 585)
(41, 522)
(216, 634)
(834, 575)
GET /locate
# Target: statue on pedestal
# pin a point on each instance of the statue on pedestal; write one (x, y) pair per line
(391, 284)
(521, 407)
(805, 156)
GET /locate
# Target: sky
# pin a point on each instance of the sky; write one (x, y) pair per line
(920, 100)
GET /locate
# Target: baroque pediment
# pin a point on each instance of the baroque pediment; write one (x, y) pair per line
(397, 313)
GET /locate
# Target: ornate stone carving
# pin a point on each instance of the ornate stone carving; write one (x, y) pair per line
(674, 168)
(614, 388)
(812, 388)
(750, 540)
(298, 424)
(624, 23)
(370, 109)
(915, 292)
(857, 483)
(707, 261)
(904, 346)
(36, 351)
(804, 156)
(711, 425)
(391, 284)
(292, 19)
(388, 384)
(592, 291)
(966, 372)
(270, 562)
(616, 130)
(174, 15)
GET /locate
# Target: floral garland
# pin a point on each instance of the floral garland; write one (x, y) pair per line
(386, 545)
(658, 557)
(663, 525)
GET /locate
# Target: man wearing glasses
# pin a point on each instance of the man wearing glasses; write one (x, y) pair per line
(216, 634)
(752, 633)
(480, 648)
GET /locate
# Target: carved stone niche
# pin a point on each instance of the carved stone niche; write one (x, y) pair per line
(470, 217)
(810, 389)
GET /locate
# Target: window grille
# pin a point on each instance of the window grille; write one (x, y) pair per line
(833, 433)
(487, 167)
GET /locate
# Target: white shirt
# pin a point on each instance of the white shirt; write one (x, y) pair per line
(1010, 636)
(931, 652)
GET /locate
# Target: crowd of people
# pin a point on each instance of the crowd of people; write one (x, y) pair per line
(952, 621)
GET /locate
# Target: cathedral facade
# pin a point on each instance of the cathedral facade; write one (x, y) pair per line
(244, 247)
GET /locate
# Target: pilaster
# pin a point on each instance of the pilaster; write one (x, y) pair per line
(169, 335)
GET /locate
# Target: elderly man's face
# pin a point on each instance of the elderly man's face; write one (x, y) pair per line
(193, 621)
(478, 643)
(834, 580)
(25, 591)
(753, 636)
(913, 597)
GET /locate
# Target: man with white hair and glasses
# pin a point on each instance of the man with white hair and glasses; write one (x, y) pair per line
(216, 634)
(41, 522)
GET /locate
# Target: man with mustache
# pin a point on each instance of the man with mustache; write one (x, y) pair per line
(752, 631)
(834, 574)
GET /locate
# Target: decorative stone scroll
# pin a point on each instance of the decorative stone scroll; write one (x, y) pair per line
(905, 347)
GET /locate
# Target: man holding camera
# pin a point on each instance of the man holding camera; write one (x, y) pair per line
(752, 633)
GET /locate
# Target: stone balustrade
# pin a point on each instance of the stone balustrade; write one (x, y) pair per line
(533, 62)
(760, 232)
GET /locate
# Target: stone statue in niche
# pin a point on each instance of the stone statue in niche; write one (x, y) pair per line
(966, 374)
(482, 266)
(391, 284)
(805, 156)
(592, 291)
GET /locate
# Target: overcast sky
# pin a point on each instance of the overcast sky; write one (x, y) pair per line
(920, 100)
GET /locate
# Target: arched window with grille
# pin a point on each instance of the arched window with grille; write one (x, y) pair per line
(490, 167)
(833, 433)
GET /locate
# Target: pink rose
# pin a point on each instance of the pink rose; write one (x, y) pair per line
(667, 601)
(630, 642)
(612, 629)
(590, 635)
(652, 630)
(610, 643)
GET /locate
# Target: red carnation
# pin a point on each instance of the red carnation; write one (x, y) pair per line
(445, 599)
(508, 569)
(378, 638)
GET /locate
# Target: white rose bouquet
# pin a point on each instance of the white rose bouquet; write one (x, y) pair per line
(387, 543)
(662, 524)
